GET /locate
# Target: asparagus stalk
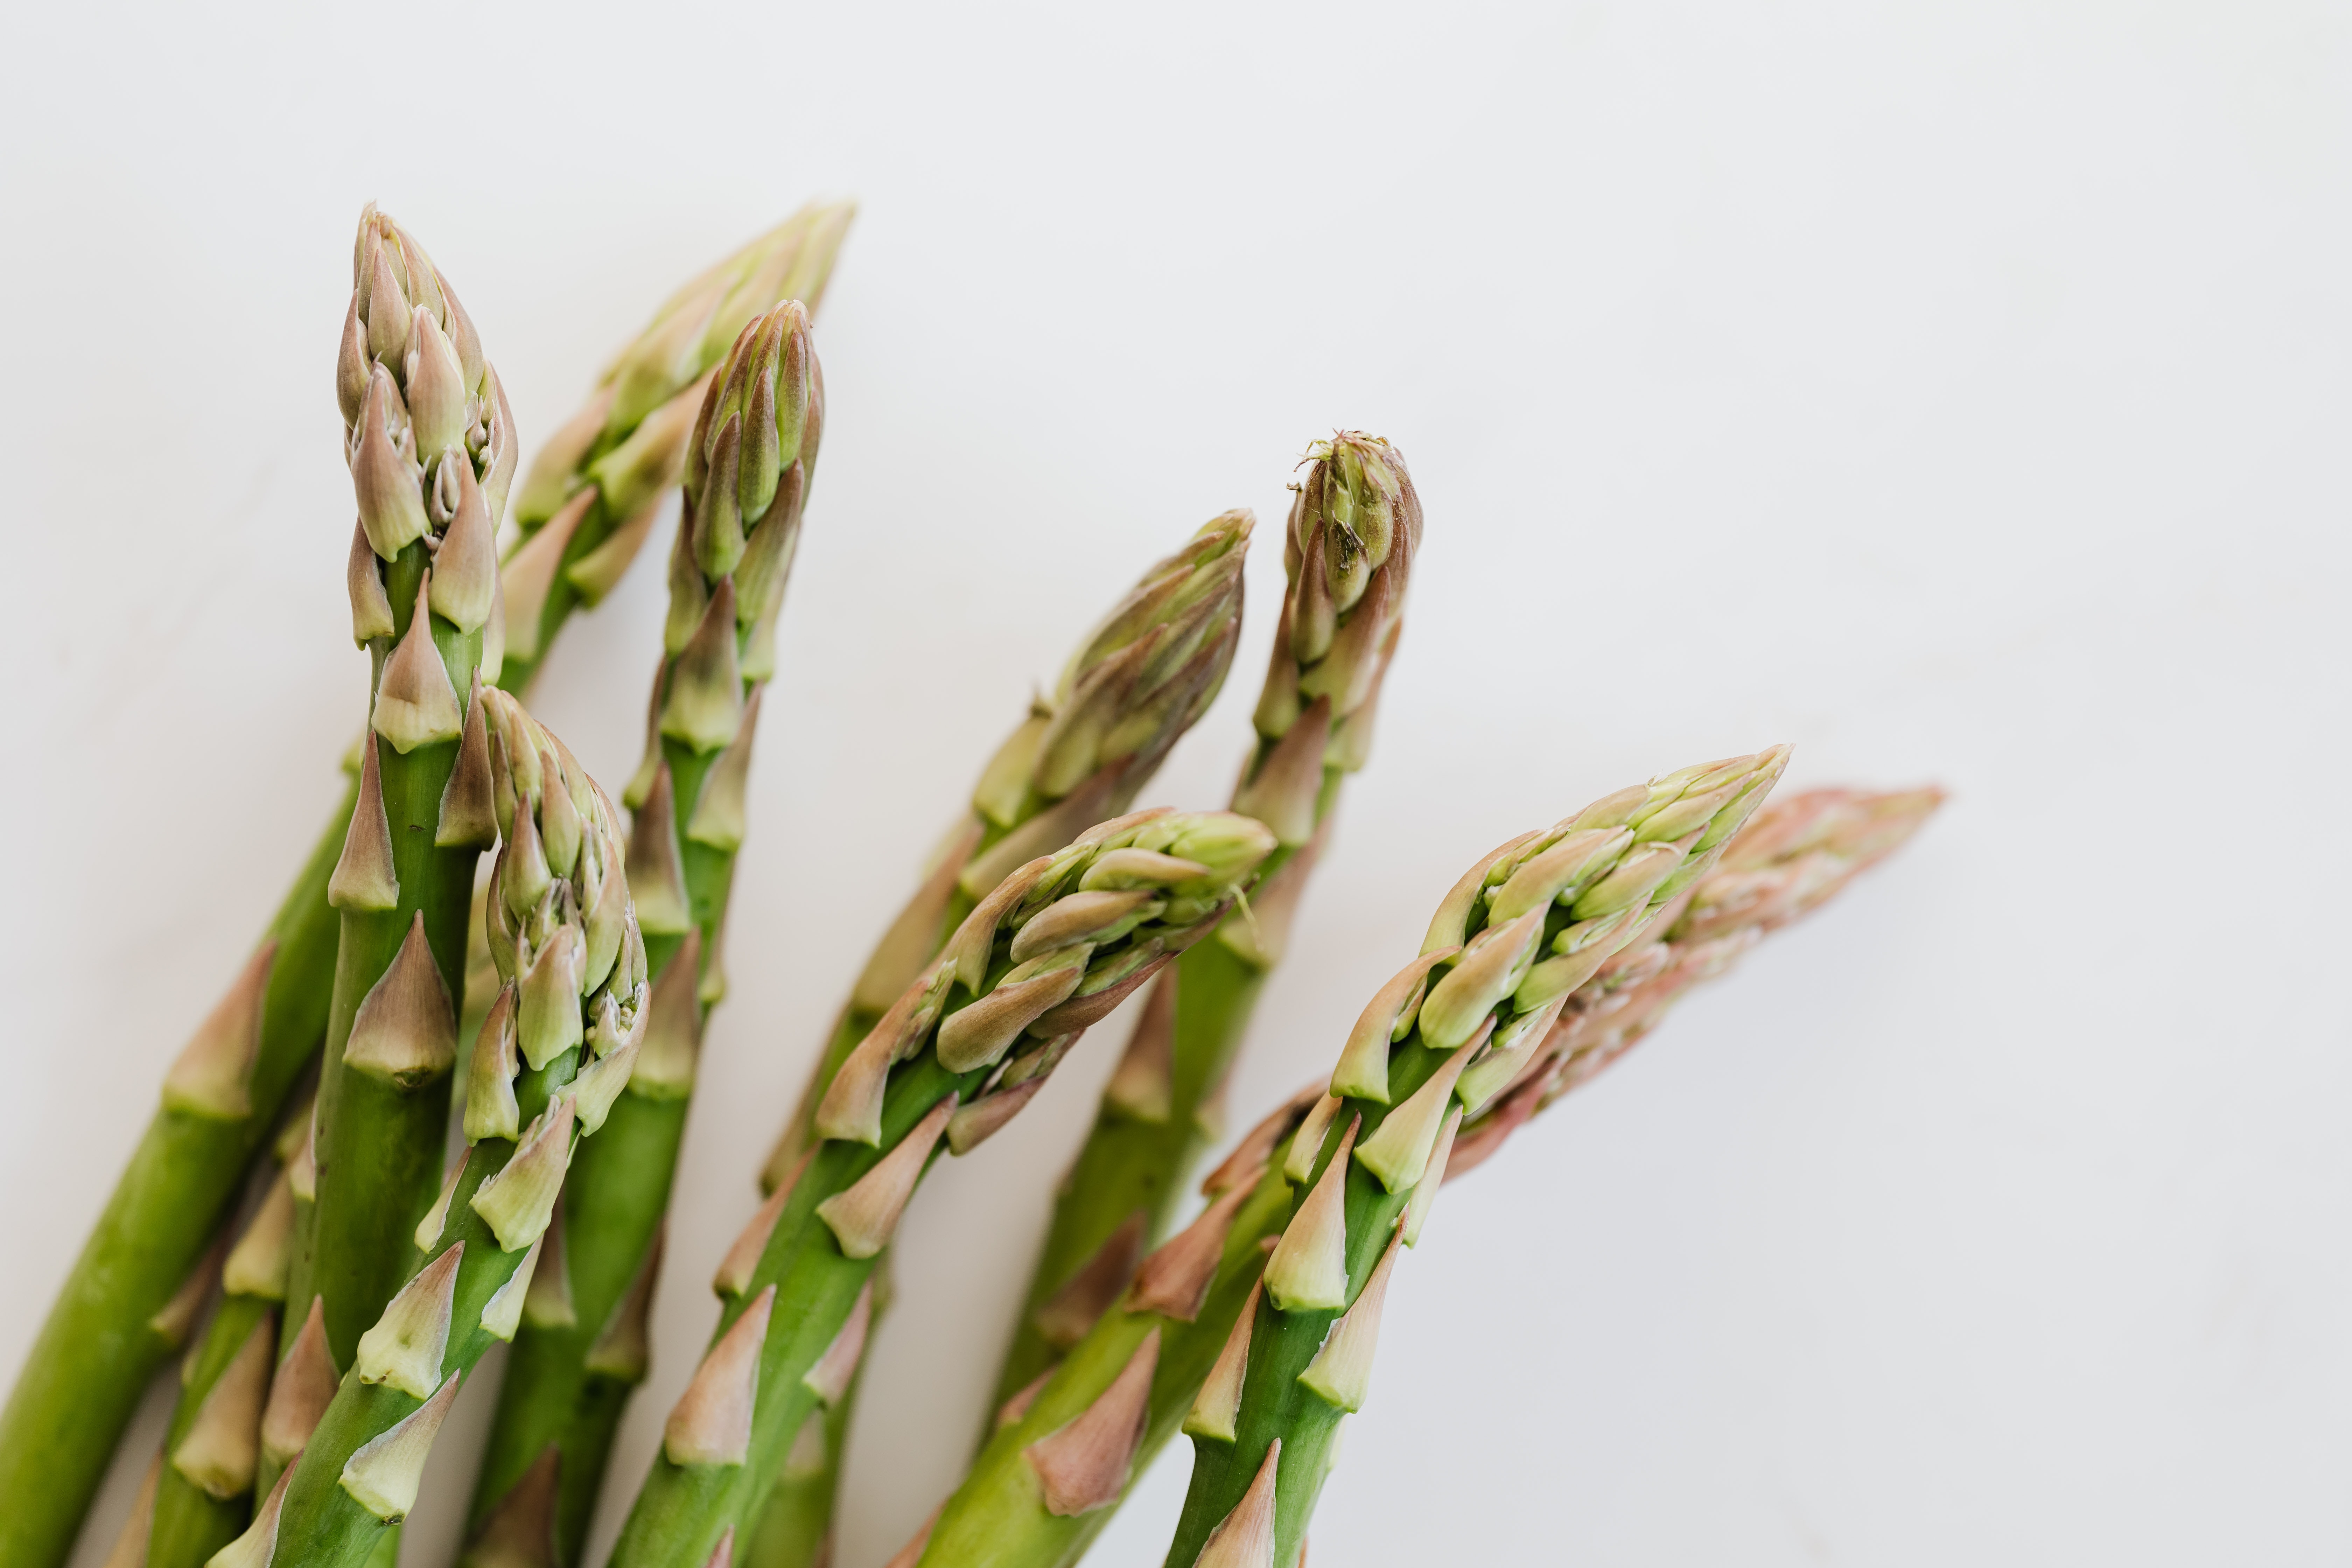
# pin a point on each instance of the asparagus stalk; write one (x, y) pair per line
(795, 1525)
(1519, 933)
(431, 449)
(1139, 679)
(554, 1053)
(1348, 553)
(1065, 1449)
(200, 1495)
(579, 1353)
(1791, 857)
(590, 500)
(1050, 951)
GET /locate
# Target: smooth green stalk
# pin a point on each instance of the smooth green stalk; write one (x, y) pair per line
(559, 1392)
(590, 498)
(380, 1142)
(566, 940)
(1520, 933)
(431, 449)
(1348, 554)
(132, 1296)
(1047, 952)
(1144, 676)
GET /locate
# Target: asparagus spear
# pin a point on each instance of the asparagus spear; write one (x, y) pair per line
(431, 449)
(1517, 934)
(593, 490)
(579, 1353)
(1792, 856)
(553, 1055)
(1348, 553)
(1051, 949)
(1140, 679)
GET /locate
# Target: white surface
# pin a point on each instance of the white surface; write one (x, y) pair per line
(1955, 391)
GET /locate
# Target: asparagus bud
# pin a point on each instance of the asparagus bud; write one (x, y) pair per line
(593, 490)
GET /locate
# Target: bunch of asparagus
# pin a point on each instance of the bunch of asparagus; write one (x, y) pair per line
(334, 1276)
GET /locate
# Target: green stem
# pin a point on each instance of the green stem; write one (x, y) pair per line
(795, 1524)
(622, 1177)
(559, 1393)
(1283, 1343)
(996, 1516)
(1129, 1163)
(100, 1348)
(380, 1147)
(683, 1511)
(191, 1524)
(322, 1525)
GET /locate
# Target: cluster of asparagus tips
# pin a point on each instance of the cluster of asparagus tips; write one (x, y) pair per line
(1453, 1031)
(431, 447)
(581, 1344)
(1142, 678)
(1797, 853)
(1139, 681)
(748, 472)
(1118, 1395)
(595, 488)
(1354, 529)
(1048, 951)
(556, 1049)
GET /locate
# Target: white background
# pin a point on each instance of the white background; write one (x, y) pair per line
(1955, 391)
